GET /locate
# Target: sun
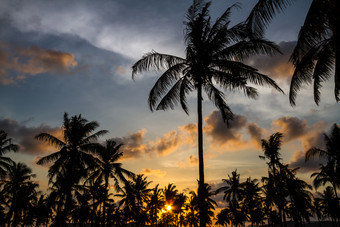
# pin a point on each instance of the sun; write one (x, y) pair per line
(168, 207)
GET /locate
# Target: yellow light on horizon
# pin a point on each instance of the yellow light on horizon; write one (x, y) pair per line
(168, 207)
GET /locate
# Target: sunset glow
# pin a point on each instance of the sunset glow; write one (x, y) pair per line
(77, 57)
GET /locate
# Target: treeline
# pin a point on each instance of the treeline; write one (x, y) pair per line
(88, 185)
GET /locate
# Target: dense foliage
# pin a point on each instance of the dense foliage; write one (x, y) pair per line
(74, 197)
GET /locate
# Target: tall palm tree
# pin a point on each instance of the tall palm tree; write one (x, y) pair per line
(277, 173)
(5, 146)
(109, 168)
(214, 54)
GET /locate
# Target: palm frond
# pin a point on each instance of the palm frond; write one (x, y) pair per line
(263, 13)
(49, 158)
(323, 68)
(52, 140)
(217, 97)
(164, 82)
(154, 60)
(263, 80)
(303, 73)
(171, 99)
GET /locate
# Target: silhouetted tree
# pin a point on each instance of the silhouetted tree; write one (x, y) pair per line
(20, 193)
(214, 55)
(108, 168)
(317, 52)
(5, 146)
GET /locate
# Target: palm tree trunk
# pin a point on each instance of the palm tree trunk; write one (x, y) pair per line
(200, 152)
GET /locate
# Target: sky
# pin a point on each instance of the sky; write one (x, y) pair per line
(76, 57)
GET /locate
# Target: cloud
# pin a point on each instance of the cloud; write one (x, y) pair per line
(112, 25)
(309, 137)
(166, 144)
(154, 172)
(291, 127)
(218, 130)
(18, 62)
(136, 145)
(298, 161)
(133, 145)
(24, 136)
(297, 129)
(256, 133)
(277, 66)
(233, 137)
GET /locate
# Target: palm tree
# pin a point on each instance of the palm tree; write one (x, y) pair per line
(252, 201)
(330, 204)
(155, 204)
(108, 167)
(262, 14)
(21, 194)
(214, 57)
(5, 146)
(43, 211)
(277, 173)
(75, 152)
(317, 52)
(300, 198)
(271, 148)
(233, 191)
(318, 46)
(134, 195)
(72, 160)
(330, 172)
(207, 213)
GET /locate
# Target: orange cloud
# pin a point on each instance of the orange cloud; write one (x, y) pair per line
(32, 61)
(154, 172)
(297, 129)
(167, 144)
(133, 144)
(277, 66)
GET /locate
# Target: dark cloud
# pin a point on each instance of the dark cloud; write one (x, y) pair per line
(256, 133)
(24, 136)
(299, 161)
(297, 129)
(291, 127)
(277, 66)
(232, 137)
(218, 130)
